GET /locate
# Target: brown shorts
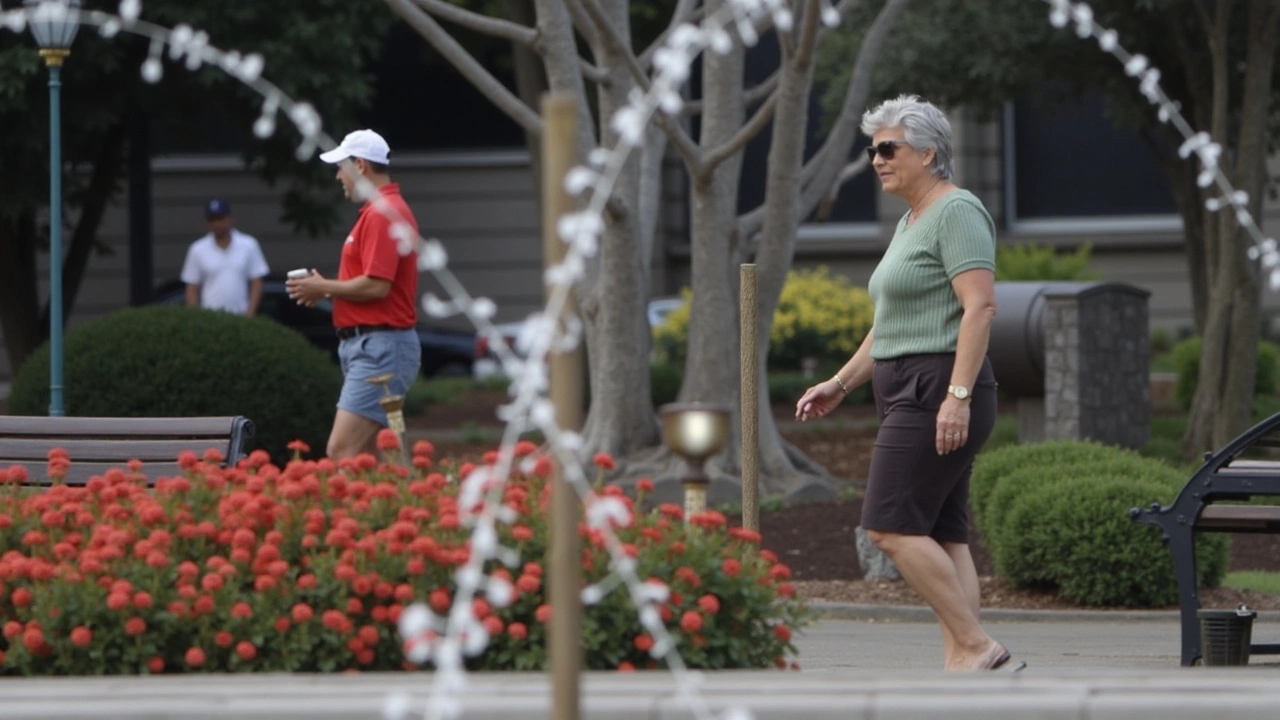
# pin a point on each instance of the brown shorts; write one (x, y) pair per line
(911, 489)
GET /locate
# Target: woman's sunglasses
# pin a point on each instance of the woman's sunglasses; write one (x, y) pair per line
(885, 149)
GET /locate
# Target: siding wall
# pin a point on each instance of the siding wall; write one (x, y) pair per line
(483, 207)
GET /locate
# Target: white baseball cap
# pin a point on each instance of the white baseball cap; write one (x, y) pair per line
(364, 144)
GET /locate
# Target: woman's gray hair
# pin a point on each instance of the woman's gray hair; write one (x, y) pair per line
(925, 127)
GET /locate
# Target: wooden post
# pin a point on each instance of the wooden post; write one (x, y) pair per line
(750, 409)
(559, 112)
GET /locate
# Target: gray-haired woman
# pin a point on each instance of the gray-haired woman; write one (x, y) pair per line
(934, 294)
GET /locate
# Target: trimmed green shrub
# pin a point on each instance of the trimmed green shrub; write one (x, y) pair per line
(819, 315)
(1078, 539)
(1186, 362)
(1092, 461)
(994, 463)
(1026, 261)
(165, 361)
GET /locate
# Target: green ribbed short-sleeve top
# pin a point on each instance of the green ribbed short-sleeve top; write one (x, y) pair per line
(917, 310)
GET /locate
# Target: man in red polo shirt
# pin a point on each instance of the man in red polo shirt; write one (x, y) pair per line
(375, 296)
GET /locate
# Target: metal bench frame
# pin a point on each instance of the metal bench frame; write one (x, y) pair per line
(96, 444)
(1222, 477)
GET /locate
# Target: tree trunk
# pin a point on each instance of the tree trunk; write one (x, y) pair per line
(620, 419)
(1228, 360)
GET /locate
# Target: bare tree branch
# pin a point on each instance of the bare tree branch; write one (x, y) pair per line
(684, 144)
(744, 135)
(684, 12)
(849, 172)
(583, 22)
(473, 71)
(496, 27)
(751, 96)
(818, 173)
(809, 33)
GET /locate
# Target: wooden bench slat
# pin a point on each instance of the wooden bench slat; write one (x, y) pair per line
(1239, 517)
(26, 450)
(79, 473)
(52, 427)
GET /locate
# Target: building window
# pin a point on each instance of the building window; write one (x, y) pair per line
(1066, 165)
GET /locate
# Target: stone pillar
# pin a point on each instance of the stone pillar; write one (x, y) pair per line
(1096, 362)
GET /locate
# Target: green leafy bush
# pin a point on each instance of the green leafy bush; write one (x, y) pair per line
(1186, 361)
(1078, 539)
(165, 361)
(1055, 515)
(819, 315)
(664, 382)
(1027, 261)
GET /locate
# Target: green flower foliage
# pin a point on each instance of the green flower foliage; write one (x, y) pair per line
(165, 361)
(819, 315)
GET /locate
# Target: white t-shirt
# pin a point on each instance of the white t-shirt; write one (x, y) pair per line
(223, 274)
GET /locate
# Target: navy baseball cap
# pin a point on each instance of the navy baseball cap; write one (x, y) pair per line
(217, 207)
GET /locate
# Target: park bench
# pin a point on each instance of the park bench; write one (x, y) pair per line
(96, 444)
(1247, 467)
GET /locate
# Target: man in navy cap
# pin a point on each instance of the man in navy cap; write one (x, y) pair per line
(224, 269)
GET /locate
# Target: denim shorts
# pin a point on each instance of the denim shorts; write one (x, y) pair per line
(398, 352)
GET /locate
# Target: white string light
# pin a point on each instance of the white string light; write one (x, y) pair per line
(1200, 144)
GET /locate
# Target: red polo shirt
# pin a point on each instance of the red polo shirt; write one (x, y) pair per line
(371, 250)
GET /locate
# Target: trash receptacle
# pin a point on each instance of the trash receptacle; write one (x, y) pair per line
(1225, 635)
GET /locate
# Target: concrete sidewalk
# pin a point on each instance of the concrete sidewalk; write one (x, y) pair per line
(1081, 669)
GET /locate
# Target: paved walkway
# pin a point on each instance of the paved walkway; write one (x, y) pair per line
(1081, 667)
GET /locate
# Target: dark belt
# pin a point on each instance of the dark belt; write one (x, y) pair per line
(345, 333)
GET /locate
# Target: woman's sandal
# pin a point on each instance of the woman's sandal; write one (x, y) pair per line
(997, 658)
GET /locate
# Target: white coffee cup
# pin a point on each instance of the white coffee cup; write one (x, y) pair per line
(298, 274)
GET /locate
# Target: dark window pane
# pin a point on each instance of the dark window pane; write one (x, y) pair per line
(421, 102)
(1070, 161)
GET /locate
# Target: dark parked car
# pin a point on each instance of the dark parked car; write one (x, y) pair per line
(444, 352)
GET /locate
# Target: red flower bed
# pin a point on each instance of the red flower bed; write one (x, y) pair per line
(308, 567)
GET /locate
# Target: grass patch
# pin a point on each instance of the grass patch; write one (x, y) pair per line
(1257, 580)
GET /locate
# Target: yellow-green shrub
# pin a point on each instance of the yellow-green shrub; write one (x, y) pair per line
(819, 315)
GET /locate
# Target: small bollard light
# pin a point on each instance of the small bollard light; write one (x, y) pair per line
(393, 405)
(695, 432)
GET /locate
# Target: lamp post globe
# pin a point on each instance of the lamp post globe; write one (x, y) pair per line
(54, 24)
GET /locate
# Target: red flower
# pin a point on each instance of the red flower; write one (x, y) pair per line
(644, 485)
(744, 534)
(786, 590)
(246, 650)
(528, 583)
(388, 439)
(439, 601)
(543, 613)
(223, 639)
(644, 642)
(709, 519)
(135, 626)
(299, 446)
(626, 667)
(780, 572)
(211, 582)
(81, 636)
(689, 576)
(21, 597)
(195, 657)
(691, 621)
(33, 638)
(423, 448)
(782, 632)
(603, 460)
(282, 625)
(518, 631)
(12, 629)
(710, 604)
(731, 567)
(156, 665)
(521, 533)
(142, 600)
(117, 601)
(302, 612)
